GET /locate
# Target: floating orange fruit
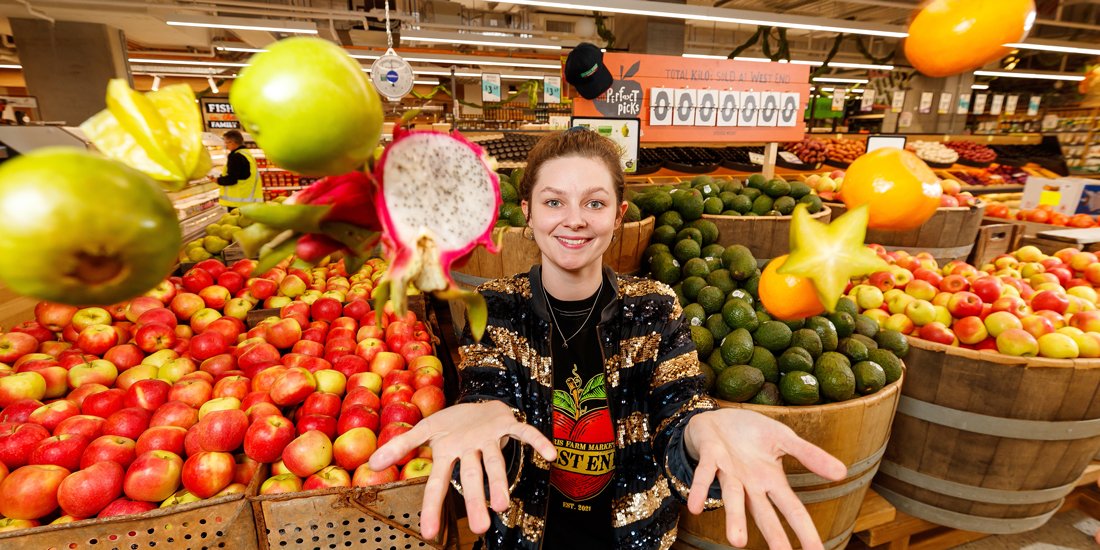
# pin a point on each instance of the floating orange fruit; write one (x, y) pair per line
(787, 297)
(901, 191)
(948, 37)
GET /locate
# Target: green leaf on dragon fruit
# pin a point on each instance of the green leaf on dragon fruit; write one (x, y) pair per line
(594, 389)
(254, 237)
(358, 239)
(272, 254)
(303, 218)
(354, 262)
(381, 294)
(476, 311)
(159, 133)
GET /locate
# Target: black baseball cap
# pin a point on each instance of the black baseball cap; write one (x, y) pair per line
(585, 71)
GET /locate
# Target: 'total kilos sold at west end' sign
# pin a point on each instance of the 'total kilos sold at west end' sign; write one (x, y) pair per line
(701, 100)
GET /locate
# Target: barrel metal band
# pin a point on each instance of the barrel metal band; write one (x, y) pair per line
(996, 526)
(942, 252)
(971, 492)
(702, 544)
(846, 488)
(810, 479)
(1039, 430)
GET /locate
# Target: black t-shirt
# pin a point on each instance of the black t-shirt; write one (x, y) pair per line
(580, 496)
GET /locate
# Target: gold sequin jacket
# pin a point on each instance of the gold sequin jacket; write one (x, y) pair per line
(653, 383)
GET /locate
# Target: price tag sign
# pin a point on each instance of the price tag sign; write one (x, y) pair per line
(898, 101)
(979, 103)
(998, 102)
(926, 102)
(1010, 104)
(945, 103)
(789, 157)
(839, 95)
(490, 87)
(756, 158)
(905, 120)
(551, 87)
(1033, 105)
(964, 105)
(867, 102)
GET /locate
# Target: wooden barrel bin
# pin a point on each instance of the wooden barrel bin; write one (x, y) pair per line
(989, 442)
(766, 237)
(854, 431)
(518, 252)
(948, 235)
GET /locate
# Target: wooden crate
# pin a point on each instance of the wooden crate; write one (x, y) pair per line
(993, 240)
(854, 431)
(766, 236)
(224, 522)
(14, 308)
(989, 442)
(948, 235)
(384, 517)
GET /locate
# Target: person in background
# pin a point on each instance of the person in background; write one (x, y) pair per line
(240, 180)
(583, 420)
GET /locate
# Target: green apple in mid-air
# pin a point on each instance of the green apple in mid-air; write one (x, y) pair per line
(309, 106)
(81, 229)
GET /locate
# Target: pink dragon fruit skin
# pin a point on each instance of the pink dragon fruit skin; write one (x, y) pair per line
(437, 201)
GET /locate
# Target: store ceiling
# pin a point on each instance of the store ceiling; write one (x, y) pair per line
(145, 27)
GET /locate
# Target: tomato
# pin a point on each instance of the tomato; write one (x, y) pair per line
(900, 189)
(1082, 220)
(309, 106)
(787, 297)
(1058, 218)
(948, 37)
(81, 229)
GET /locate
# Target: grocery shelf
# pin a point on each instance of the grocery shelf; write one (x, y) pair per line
(195, 226)
(986, 189)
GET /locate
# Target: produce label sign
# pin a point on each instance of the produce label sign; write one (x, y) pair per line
(926, 102)
(898, 102)
(1010, 104)
(867, 103)
(998, 102)
(945, 103)
(979, 103)
(706, 100)
(964, 104)
(551, 87)
(490, 87)
(1033, 105)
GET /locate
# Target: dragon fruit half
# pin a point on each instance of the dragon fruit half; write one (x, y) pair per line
(438, 200)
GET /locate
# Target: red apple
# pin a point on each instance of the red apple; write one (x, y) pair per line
(148, 394)
(392, 430)
(17, 441)
(161, 438)
(358, 416)
(1057, 302)
(415, 348)
(105, 403)
(327, 404)
(293, 386)
(207, 345)
(363, 396)
(61, 450)
(386, 361)
(51, 414)
(207, 473)
(281, 483)
(260, 411)
(219, 364)
(254, 398)
(231, 281)
(354, 447)
(54, 316)
(128, 422)
(326, 309)
(97, 371)
(35, 329)
(328, 477)
(160, 315)
(368, 380)
(398, 377)
(30, 492)
(193, 393)
(324, 424)
(15, 345)
(429, 399)
(262, 289)
(417, 467)
(365, 477)
(174, 413)
(153, 476)
(185, 305)
(266, 438)
(232, 386)
(256, 357)
(284, 333)
(155, 337)
(121, 450)
(89, 316)
(397, 393)
(126, 507)
(308, 347)
(197, 279)
(308, 453)
(222, 430)
(203, 318)
(1011, 304)
(85, 493)
(400, 412)
(86, 425)
(19, 411)
(124, 356)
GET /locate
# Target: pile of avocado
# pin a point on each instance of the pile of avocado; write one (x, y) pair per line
(511, 215)
(746, 355)
(756, 196)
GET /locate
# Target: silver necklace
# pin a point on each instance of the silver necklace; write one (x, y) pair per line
(565, 341)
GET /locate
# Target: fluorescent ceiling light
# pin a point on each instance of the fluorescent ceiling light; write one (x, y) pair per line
(244, 24)
(841, 80)
(462, 74)
(482, 40)
(239, 49)
(716, 15)
(8, 66)
(1048, 46)
(189, 62)
(213, 86)
(1040, 76)
(156, 83)
(427, 82)
(471, 60)
(184, 75)
(979, 86)
(838, 64)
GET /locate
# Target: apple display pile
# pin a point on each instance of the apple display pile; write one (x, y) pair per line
(169, 398)
(953, 195)
(1044, 213)
(1023, 304)
(827, 184)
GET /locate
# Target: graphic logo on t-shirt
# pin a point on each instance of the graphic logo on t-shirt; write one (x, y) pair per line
(584, 438)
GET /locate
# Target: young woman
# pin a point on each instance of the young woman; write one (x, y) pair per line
(583, 409)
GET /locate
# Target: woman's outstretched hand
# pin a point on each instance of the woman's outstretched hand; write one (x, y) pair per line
(743, 449)
(473, 435)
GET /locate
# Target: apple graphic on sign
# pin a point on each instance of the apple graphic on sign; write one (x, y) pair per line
(624, 97)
